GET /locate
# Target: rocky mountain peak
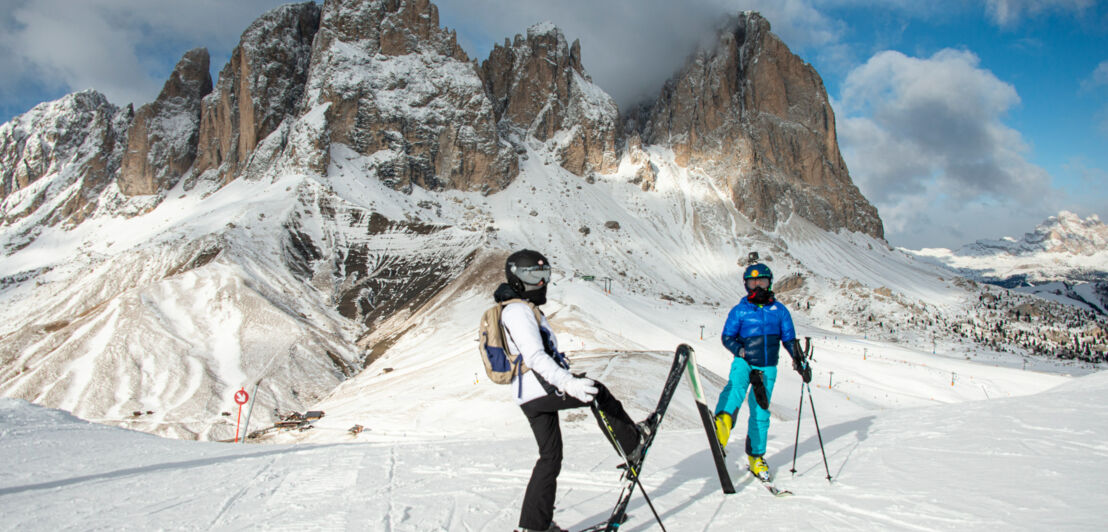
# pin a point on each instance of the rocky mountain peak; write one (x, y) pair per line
(386, 81)
(389, 27)
(76, 140)
(258, 89)
(538, 85)
(753, 115)
(162, 142)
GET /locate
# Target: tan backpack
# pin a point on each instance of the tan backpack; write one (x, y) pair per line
(492, 342)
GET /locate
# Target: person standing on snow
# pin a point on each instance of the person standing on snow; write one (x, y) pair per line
(549, 387)
(753, 331)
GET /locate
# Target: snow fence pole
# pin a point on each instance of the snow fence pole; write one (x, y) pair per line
(253, 399)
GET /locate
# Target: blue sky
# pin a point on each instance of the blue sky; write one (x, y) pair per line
(959, 120)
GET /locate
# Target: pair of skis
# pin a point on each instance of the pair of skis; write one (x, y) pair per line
(632, 469)
(708, 420)
(684, 361)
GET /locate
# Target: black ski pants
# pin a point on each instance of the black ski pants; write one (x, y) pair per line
(542, 413)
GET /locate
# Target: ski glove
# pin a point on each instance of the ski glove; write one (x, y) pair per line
(802, 367)
(581, 388)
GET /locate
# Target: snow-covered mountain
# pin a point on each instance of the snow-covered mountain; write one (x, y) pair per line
(333, 213)
(1063, 247)
(1064, 256)
(1066, 233)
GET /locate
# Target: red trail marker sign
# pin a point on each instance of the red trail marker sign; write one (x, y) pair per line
(241, 397)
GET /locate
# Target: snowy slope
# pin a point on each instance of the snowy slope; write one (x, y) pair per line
(1030, 462)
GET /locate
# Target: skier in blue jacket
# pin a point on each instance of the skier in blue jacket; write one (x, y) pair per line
(754, 330)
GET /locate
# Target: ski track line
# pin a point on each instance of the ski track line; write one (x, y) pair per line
(309, 489)
(135, 471)
(388, 488)
(506, 511)
(227, 504)
(358, 515)
(871, 516)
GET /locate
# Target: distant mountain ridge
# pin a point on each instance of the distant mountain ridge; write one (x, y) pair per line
(1065, 257)
(1061, 248)
(1065, 233)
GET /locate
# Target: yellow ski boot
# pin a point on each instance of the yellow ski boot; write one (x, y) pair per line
(759, 468)
(723, 428)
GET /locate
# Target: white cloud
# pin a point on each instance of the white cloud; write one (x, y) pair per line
(123, 48)
(925, 141)
(1098, 78)
(1012, 12)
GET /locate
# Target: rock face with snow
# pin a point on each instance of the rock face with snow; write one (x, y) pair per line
(537, 84)
(161, 144)
(258, 89)
(387, 81)
(57, 158)
(755, 116)
(1066, 233)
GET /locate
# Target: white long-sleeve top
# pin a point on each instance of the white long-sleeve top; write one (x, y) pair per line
(524, 338)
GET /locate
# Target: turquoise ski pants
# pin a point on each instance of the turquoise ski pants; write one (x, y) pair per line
(737, 390)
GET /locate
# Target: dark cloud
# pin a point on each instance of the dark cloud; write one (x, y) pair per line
(123, 48)
(630, 47)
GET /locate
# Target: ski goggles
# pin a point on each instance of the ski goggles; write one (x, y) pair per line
(533, 275)
(753, 283)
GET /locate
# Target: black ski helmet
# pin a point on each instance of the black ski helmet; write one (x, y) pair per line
(528, 273)
(758, 271)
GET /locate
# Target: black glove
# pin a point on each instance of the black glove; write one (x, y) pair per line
(801, 366)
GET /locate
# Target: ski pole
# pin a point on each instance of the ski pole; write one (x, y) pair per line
(630, 470)
(648, 503)
(799, 414)
(818, 435)
(800, 409)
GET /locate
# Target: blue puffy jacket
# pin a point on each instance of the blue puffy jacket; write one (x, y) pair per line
(756, 332)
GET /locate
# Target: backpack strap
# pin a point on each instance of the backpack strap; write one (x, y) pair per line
(519, 362)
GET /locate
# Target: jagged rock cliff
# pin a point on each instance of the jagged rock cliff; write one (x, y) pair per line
(750, 113)
(57, 158)
(161, 144)
(258, 89)
(538, 85)
(387, 81)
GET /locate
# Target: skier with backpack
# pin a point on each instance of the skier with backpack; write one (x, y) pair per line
(526, 356)
(753, 332)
